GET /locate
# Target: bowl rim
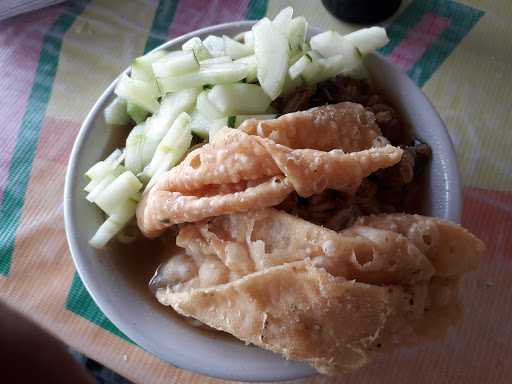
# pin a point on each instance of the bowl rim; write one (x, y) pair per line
(454, 209)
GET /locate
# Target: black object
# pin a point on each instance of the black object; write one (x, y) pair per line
(362, 11)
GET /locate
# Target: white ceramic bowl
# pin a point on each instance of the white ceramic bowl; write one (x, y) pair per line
(118, 284)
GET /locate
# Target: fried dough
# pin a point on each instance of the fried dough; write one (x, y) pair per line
(346, 126)
(238, 172)
(334, 300)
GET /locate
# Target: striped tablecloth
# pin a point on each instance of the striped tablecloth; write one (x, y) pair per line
(56, 62)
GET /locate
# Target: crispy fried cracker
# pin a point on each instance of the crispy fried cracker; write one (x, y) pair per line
(347, 126)
(211, 180)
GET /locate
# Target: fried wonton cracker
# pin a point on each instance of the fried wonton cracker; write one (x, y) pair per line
(211, 180)
(347, 126)
(312, 294)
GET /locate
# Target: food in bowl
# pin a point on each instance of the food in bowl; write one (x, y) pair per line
(295, 231)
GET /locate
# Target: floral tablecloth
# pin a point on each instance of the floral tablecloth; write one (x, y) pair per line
(55, 62)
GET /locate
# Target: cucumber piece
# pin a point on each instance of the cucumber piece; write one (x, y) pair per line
(142, 69)
(331, 66)
(295, 56)
(142, 66)
(136, 113)
(121, 189)
(170, 150)
(98, 170)
(250, 61)
(299, 66)
(297, 33)
(115, 158)
(215, 60)
(211, 74)
(114, 224)
(175, 103)
(157, 126)
(283, 20)
(249, 39)
(98, 185)
(367, 40)
(271, 49)
(195, 44)
(241, 118)
(214, 45)
(201, 126)
(206, 108)
(331, 43)
(236, 50)
(101, 169)
(176, 64)
(134, 149)
(115, 113)
(137, 92)
(311, 73)
(239, 98)
(327, 43)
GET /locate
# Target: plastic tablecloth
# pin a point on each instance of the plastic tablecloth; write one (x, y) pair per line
(55, 63)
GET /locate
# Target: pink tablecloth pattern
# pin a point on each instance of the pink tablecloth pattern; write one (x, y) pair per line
(57, 61)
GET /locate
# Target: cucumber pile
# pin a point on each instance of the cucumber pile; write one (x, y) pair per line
(170, 97)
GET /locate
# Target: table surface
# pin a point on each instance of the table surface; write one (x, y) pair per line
(57, 61)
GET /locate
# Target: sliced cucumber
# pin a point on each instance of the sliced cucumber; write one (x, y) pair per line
(331, 67)
(121, 189)
(239, 98)
(249, 39)
(241, 118)
(136, 113)
(137, 92)
(297, 33)
(327, 43)
(170, 150)
(157, 126)
(195, 44)
(114, 224)
(214, 45)
(142, 66)
(367, 40)
(110, 166)
(211, 74)
(98, 170)
(175, 103)
(250, 61)
(206, 108)
(215, 60)
(115, 113)
(97, 186)
(283, 19)
(236, 50)
(311, 73)
(134, 149)
(331, 43)
(299, 66)
(115, 158)
(176, 63)
(142, 70)
(271, 49)
(201, 126)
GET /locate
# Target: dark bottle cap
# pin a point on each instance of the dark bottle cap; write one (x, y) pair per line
(362, 11)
